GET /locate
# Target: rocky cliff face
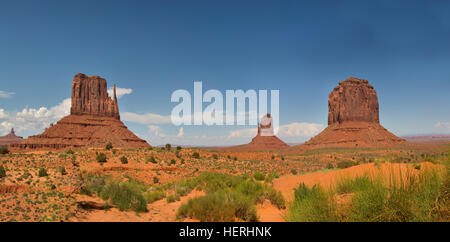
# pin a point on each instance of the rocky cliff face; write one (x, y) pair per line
(353, 100)
(90, 97)
(353, 119)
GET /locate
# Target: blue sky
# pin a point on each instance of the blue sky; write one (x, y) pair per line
(302, 48)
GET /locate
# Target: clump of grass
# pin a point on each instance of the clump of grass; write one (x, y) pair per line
(221, 206)
(173, 198)
(311, 205)
(125, 195)
(228, 198)
(259, 177)
(153, 196)
(92, 184)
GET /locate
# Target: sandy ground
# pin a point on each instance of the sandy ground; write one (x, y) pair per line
(159, 211)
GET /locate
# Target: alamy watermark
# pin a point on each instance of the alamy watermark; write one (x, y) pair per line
(239, 108)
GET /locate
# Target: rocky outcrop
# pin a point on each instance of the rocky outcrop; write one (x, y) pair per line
(90, 97)
(353, 118)
(94, 121)
(353, 100)
(10, 138)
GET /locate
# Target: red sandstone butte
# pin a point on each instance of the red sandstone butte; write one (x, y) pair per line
(353, 118)
(10, 138)
(94, 121)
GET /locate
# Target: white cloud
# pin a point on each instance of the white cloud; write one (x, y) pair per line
(155, 131)
(2, 114)
(32, 120)
(149, 118)
(4, 94)
(299, 129)
(181, 132)
(120, 92)
(444, 125)
(243, 133)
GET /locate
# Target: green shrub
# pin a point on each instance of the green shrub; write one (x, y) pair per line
(124, 160)
(196, 155)
(101, 158)
(179, 148)
(4, 150)
(294, 171)
(173, 162)
(70, 152)
(109, 146)
(62, 170)
(2, 171)
(152, 160)
(42, 172)
(168, 146)
(155, 180)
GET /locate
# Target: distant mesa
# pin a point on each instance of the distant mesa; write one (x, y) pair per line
(353, 118)
(265, 138)
(10, 138)
(94, 121)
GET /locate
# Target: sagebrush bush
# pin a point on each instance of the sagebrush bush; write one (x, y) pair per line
(42, 172)
(101, 158)
(2, 171)
(124, 160)
(4, 150)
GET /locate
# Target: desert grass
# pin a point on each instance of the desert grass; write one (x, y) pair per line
(393, 197)
(228, 198)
